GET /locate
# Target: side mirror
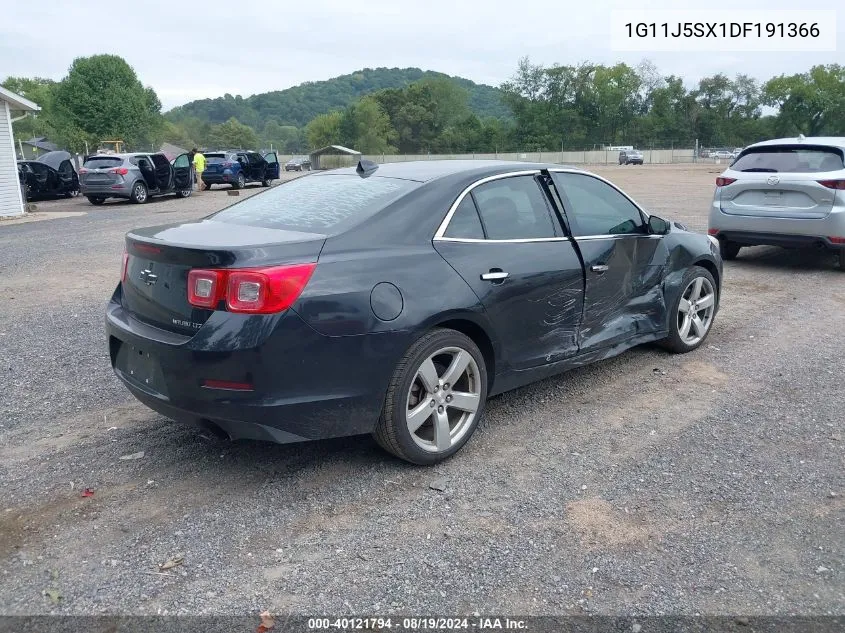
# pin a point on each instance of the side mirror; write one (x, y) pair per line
(658, 226)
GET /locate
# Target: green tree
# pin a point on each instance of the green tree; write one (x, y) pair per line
(102, 98)
(811, 103)
(41, 92)
(232, 135)
(324, 130)
(366, 128)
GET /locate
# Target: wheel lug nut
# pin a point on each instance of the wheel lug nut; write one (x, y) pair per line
(436, 389)
(433, 403)
(446, 386)
(440, 409)
(448, 398)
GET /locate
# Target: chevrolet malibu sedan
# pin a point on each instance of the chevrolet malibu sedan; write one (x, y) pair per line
(395, 300)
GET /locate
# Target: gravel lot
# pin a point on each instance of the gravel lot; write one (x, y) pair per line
(708, 483)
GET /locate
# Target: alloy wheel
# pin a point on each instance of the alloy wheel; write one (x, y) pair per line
(140, 192)
(443, 399)
(695, 310)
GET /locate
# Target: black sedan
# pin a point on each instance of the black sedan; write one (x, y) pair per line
(298, 163)
(394, 300)
(50, 175)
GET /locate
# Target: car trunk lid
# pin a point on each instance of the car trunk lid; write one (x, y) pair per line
(777, 195)
(100, 170)
(155, 284)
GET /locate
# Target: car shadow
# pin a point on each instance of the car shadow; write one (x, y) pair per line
(773, 257)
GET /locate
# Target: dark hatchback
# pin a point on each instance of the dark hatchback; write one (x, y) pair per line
(394, 300)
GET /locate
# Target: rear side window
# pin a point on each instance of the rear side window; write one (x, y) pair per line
(465, 223)
(317, 204)
(103, 162)
(513, 208)
(789, 159)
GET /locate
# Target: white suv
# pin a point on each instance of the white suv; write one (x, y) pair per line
(785, 192)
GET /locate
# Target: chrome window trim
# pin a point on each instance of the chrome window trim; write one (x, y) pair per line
(441, 230)
(615, 236)
(474, 240)
(605, 181)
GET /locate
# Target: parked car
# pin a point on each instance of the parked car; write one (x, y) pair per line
(630, 157)
(722, 154)
(786, 192)
(298, 163)
(136, 177)
(394, 300)
(51, 174)
(237, 168)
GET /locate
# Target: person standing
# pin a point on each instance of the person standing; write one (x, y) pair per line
(191, 155)
(199, 167)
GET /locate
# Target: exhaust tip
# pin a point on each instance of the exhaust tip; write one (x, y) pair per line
(214, 429)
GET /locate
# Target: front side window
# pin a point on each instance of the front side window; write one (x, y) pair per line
(595, 208)
(513, 208)
(181, 161)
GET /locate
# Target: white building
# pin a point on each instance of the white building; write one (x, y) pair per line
(11, 200)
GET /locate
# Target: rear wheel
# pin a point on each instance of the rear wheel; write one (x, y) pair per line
(435, 398)
(240, 183)
(729, 250)
(95, 200)
(139, 193)
(184, 193)
(691, 313)
(266, 182)
(842, 259)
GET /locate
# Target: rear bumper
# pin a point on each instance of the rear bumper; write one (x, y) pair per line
(307, 386)
(117, 190)
(219, 179)
(752, 230)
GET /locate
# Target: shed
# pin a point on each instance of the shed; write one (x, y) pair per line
(35, 147)
(11, 198)
(334, 155)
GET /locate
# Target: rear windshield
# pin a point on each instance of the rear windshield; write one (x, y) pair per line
(103, 162)
(796, 160)
(317, 204)
(215, 159)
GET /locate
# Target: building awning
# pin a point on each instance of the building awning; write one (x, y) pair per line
(17, 102)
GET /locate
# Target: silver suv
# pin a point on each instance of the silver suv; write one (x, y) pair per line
(136, 177)
(785, 192)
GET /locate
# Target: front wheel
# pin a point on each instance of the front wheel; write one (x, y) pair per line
(691, 313)
(842, 259)
(184, 193)
(435, 398)
(266, 182)
(139, 193)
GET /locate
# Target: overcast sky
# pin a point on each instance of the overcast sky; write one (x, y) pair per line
(204, 48)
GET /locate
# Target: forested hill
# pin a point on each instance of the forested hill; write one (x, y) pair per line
(298, 105)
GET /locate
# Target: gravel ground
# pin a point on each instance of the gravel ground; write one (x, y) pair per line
(707, 483)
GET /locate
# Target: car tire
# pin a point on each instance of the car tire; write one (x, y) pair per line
(184, 193)
(240, 183)
(842, 259)
(729, 250)
(686, 333)
(266, 182)
(436, 351)
(96, 201)
(139, 193)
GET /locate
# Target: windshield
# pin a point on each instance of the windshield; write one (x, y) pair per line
(798, 160)
(317, 204)
(103, 162)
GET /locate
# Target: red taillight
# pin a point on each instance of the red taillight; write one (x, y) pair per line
(125, 266)
(833, 184)
(122, 171)
(206, 288)
(722, 182)
(837, 240)
(249, 290)
(227, 165)
(712, 231)
(227, 384)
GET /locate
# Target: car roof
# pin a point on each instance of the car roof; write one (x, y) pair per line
(427, 170)
(832, 141)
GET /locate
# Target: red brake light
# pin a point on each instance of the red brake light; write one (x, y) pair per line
(266, 290)
(833, 184)
(206, 288)
(837, 240)
(119, 170)
(227, 385)
(722, 182)
(249, 290)
(712, 231)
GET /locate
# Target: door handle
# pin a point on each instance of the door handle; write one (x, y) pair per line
(495, 275)
(600, 268)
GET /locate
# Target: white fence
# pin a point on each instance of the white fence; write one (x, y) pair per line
(586, 157)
